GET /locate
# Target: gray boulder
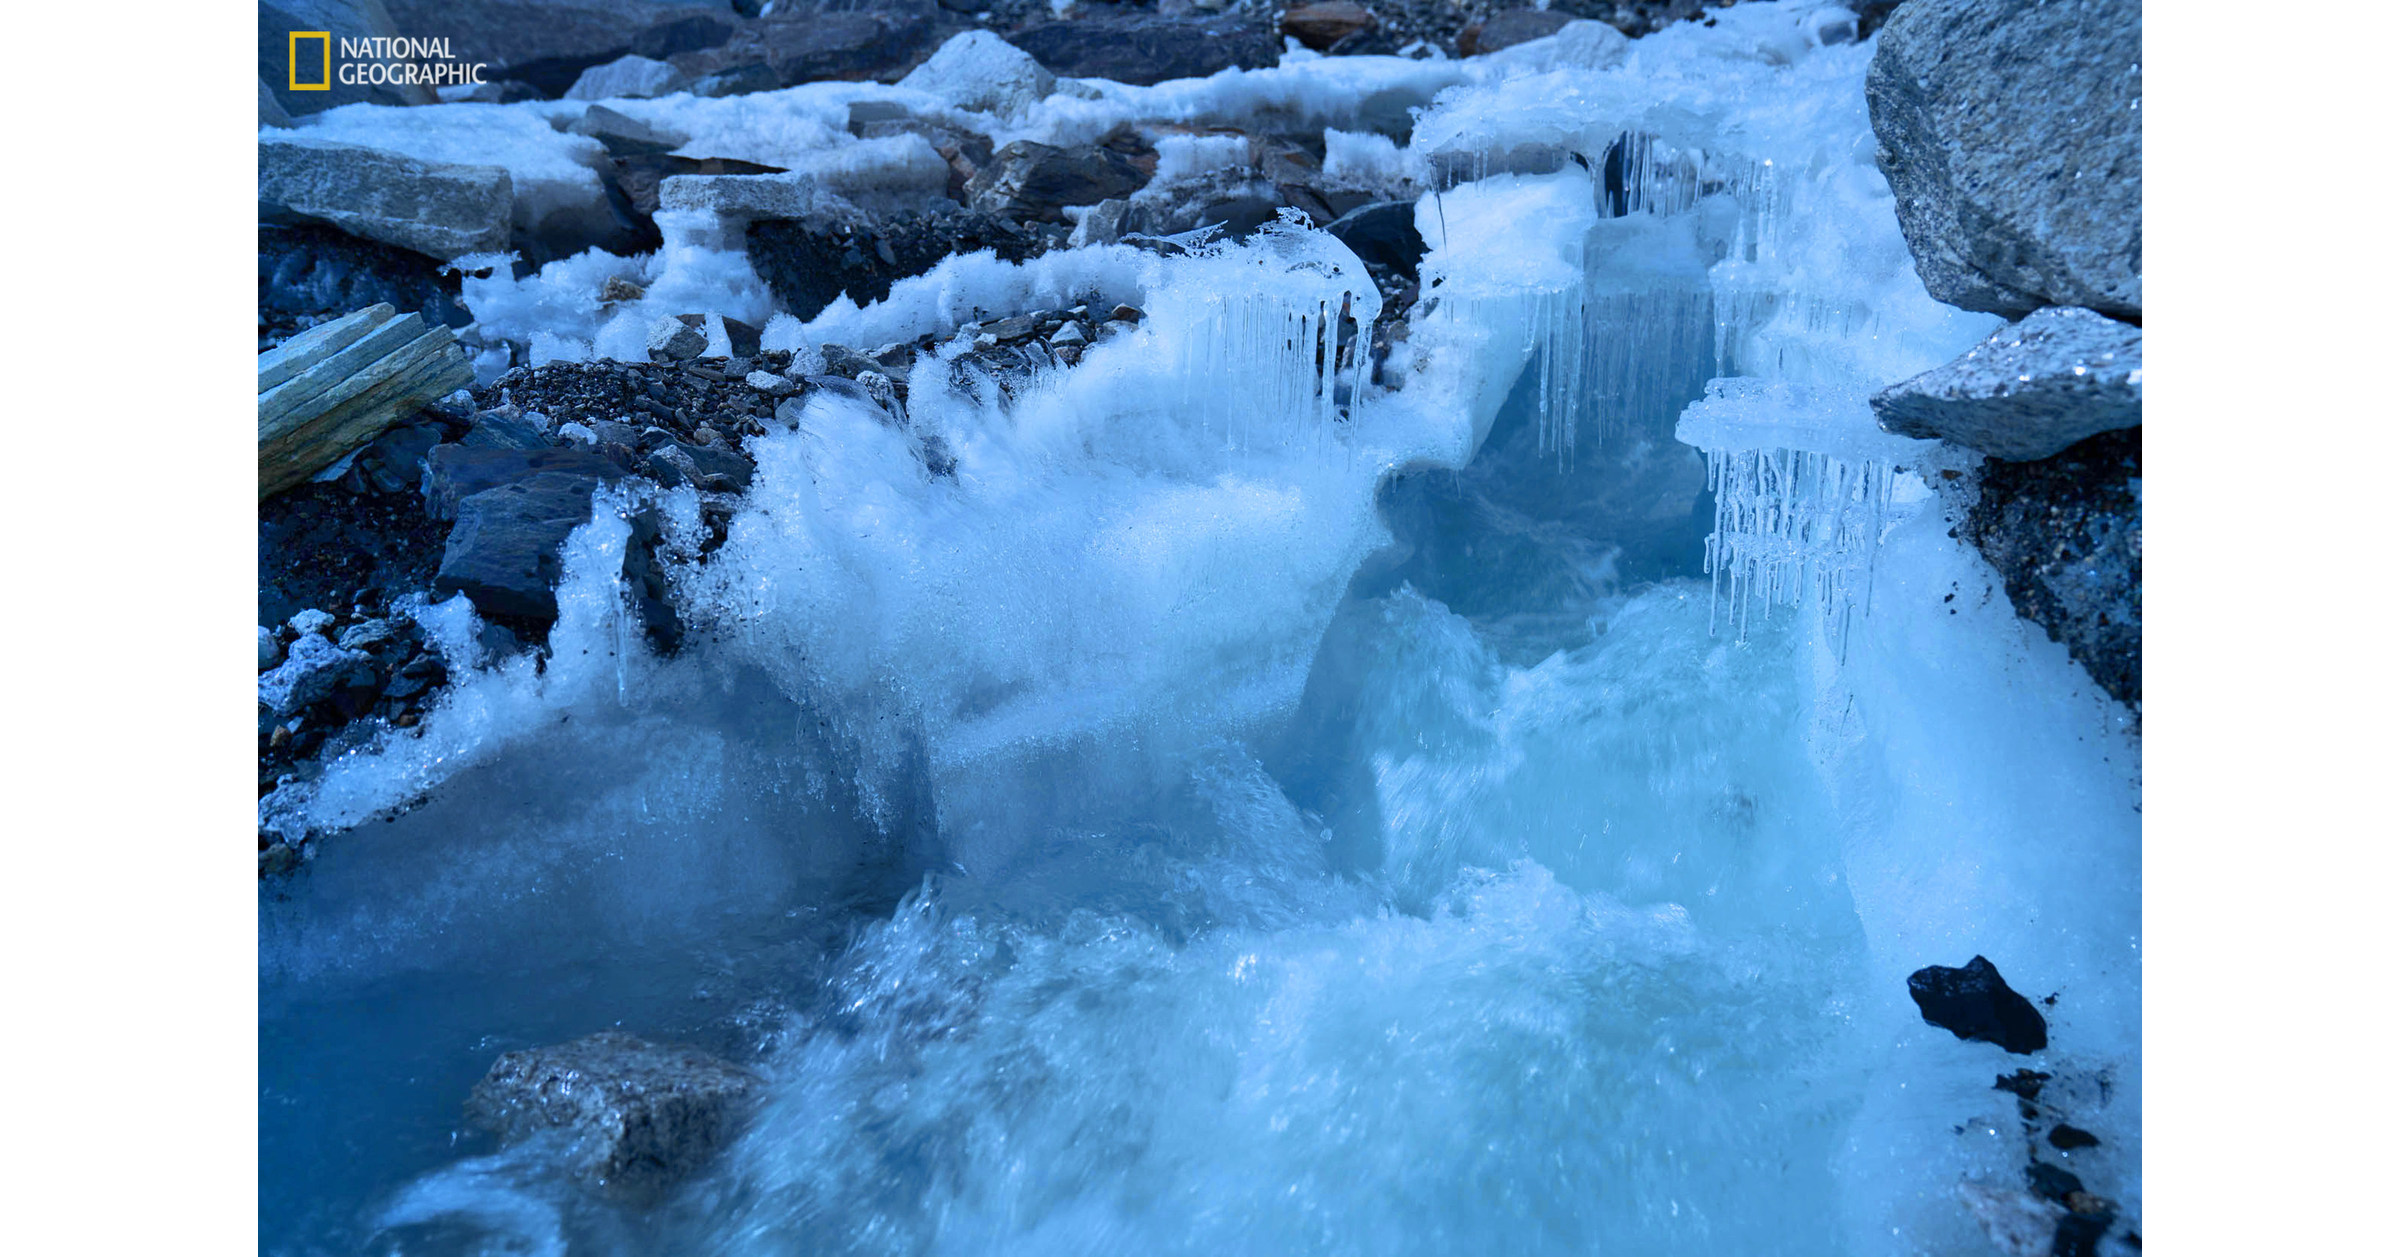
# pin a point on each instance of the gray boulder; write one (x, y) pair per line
(1145, 50)
(441, 211)
(805, 45)
(2011, 132)
(1507, 30)
(641, 1115)
(503, 553)
(2033, 389)
(624, 136)
(628, 77)
(1030, 182)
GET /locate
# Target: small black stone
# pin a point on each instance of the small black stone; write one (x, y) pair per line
(2051, 1182)
(1976, 1004)
(2067, 1138)
(2025, 1084)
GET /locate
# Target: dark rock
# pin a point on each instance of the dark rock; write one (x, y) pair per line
(803, 47)
(2050, 1182)
(503, 430)
(2036, 387)
(1507, 30)
(808, 264)
(741, 337)
(679, 337)
(395, 461)
(624, 136)
(1029, 181)
(277, 860)
(1384, 232)
(2067, 1138)
(2011, 132)
(2065, 534)
(308, 274)
(1239, 216)
(1976, 1004)
(693, 33)
(2025, 1084)
(642, 1115)
(1142, 50)
(1322, 25)
(740, 80)
(503, 553)
(455, 473)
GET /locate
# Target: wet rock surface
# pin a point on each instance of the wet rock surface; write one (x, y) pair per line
(2065, 534)
(639, 1116)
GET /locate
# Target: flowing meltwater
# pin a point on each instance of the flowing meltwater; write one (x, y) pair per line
(1242, 806)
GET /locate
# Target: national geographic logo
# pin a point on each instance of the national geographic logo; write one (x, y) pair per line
(373, 61)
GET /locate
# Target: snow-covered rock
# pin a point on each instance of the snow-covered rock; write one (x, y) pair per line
(979, 70)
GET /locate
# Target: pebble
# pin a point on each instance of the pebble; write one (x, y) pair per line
(768, 382)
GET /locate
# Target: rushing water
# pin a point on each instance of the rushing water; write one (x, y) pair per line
(1206, 823)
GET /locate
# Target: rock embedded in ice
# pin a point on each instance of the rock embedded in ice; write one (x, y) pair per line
(1144, 50)
(641, 1115)
(677, 337)
(503, 553)
(2018, 1223)
(1030, 181)
(629, 77)
(311, 672)
(1322, 25)
(1384, 233)
(2033, 389)
(1507, 30)
(623, 136)
(2065, 534)
(979, 70)
(1976, 1004)
(442, 211)
(2011, 133)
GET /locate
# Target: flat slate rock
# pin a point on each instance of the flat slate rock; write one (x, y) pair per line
(2036, 387)
(1976, 1004)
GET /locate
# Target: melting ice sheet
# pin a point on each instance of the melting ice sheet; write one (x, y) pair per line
(1146, 836)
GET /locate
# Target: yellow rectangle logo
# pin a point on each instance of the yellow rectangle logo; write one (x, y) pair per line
(324, 80)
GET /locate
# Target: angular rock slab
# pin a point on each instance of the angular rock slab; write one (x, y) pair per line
(339, 385)
(1140, 51)
(441, 211)
(1030, 181)
(503, 553)
(641, 1115)
(2011, 132)
(2033, 389)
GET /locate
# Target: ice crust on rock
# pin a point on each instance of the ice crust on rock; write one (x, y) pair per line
(979, 70)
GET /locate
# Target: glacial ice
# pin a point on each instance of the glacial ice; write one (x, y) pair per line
(1101, 851)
